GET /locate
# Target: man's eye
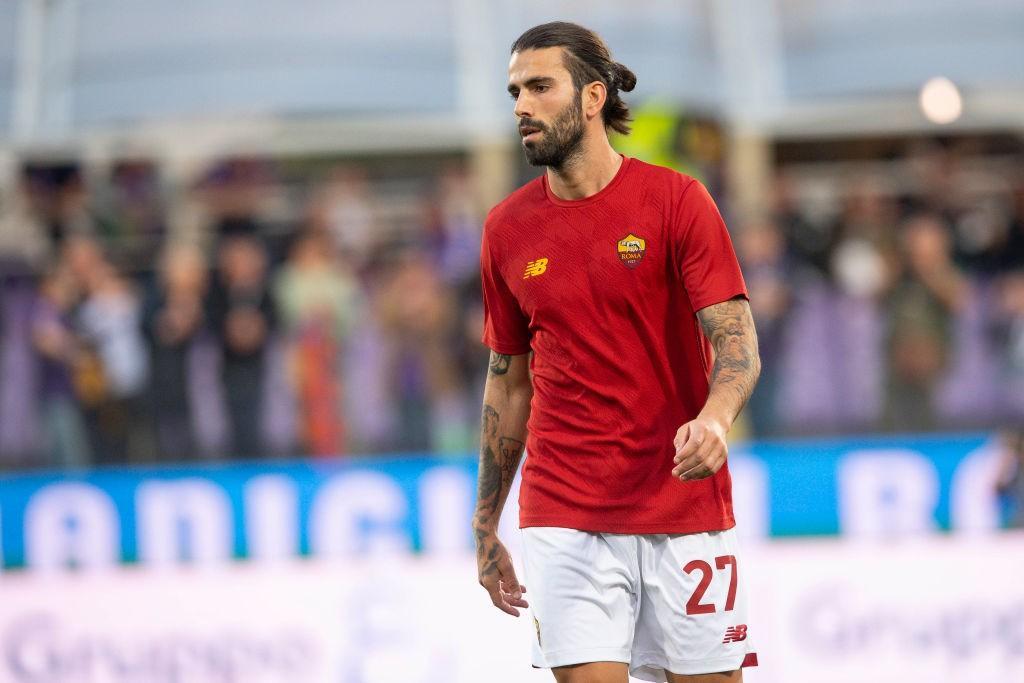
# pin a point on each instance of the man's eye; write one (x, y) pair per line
(542, 88)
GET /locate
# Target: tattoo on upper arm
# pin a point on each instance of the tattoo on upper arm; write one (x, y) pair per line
(730, 328)
(725, 320)
(499, 363)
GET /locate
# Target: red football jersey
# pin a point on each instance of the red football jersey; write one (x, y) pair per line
(604, 291)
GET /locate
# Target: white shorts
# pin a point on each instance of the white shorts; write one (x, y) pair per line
(657, 602)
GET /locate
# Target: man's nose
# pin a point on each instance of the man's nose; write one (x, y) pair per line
(523, 109)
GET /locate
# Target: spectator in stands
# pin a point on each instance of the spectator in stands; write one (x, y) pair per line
(416, 309)
(864, 255)
(1010, 476)
(24, 242)
(1007, 337)
(807, 241)
(317, 297)
(236, 193)
(53, 337)
(174, 317)
(343, 208)
(767, 270)
(25, 249)
(1012, 250)
(921, 308)
(114, 369)
(934, 170)
(1009, 320)
(453, 229)
(241, 313)
(980, 235)
(471, 353)
(73, 212)
(135, 210)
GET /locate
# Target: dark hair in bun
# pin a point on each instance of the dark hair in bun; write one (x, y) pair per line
(588, 59)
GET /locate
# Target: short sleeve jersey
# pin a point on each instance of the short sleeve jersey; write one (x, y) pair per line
(604, 292)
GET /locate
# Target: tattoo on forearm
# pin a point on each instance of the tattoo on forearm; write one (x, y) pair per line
(499, 459)
(731, 330)
(488, 424)
(487, 549)
(499, 363)
(510, 450)
(489, 484)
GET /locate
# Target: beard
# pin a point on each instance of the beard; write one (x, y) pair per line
(560, 141)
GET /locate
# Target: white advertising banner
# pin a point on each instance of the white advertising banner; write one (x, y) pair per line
(935, 610)
(939, 610)
(402, 620)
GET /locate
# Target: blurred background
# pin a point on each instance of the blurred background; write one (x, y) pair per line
(240, 321)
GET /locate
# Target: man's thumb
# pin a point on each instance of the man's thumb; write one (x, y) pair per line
(681, 436)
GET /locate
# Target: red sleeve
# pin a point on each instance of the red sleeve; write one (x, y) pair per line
(705, 260)
(506, 328)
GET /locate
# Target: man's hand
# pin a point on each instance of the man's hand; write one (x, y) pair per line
(701, 448)
(494, 567)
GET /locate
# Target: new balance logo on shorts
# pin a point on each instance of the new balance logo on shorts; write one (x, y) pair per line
(735, 634)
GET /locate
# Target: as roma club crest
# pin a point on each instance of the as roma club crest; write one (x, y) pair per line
(631, 250)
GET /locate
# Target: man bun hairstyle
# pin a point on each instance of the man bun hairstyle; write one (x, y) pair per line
(587, 59)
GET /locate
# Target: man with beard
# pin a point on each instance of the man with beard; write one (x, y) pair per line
(609, 287)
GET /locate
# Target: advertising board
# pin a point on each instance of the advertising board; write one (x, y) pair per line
(929, 609)
(874, 488)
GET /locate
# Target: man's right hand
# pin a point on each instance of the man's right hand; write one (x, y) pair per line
(494, 568)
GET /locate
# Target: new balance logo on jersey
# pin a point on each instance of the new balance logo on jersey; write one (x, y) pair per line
(535, 268)
(735, 634)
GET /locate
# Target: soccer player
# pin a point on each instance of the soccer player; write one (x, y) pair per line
(622, 349)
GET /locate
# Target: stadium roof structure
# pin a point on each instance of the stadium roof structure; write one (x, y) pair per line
(321, 75)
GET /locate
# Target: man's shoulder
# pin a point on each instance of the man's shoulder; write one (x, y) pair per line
(669, 178)
(529, 197)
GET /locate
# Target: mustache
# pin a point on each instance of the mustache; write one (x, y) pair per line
(532, 123)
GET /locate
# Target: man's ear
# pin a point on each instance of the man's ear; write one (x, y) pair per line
(594, 96)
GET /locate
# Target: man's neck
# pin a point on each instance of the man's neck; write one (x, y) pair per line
(586, 174)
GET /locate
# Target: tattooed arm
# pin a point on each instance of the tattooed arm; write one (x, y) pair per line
(700, 444)
(507, 395)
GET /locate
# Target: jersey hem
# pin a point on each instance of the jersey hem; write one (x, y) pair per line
(507, 349)
(721, 297)
(602, 527)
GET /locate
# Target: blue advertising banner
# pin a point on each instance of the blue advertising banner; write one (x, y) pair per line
(358, 506)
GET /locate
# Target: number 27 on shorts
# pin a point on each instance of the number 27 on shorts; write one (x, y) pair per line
(694, 604)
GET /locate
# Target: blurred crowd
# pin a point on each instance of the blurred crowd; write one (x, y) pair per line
(226, 326)
(262, 311)
(901, 306)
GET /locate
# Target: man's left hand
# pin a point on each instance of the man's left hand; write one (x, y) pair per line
(701, 448)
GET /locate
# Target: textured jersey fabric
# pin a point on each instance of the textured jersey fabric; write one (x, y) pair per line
(604, 291)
